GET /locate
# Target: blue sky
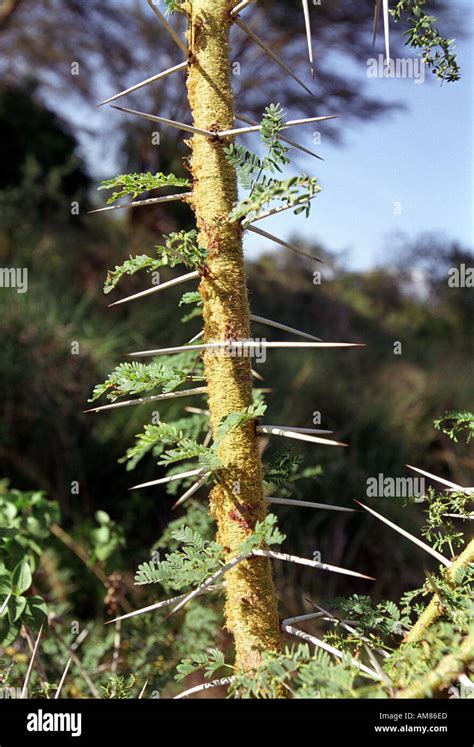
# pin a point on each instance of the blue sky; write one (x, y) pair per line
(421, 157)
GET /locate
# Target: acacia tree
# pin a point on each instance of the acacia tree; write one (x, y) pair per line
(239, 556)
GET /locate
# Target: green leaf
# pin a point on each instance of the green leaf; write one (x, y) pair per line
(136, 184)
(16, 607)
(21, 578)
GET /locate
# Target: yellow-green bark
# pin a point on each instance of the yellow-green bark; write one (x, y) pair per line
(237, 501)
(434, 610)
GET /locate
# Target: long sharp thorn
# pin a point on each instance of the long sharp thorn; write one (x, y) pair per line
(61, 683)
(307, 504)
(285, 139)
(441, 480)
(347, 627)
(193, 489)
(153, 398)
(386, 30)
(241, 6)
(137, 86)
(330, 649)
(5, 604)
(142, 691)
(141, 203)
(311, 563)
(196, 337)
(156, 288)
(376, 20)
(164, 480)
(205, 686)
(257, 127)
(240, 345)
(271, 53)
(150, 608)
(409, 536)
(277, 431)
(256, 375)
(276, 210)
(307, 24)
(271, 237)
(24, 691)
(163, 120)
(284, 327)
(177, 40)
(209, 581)
(297, 429)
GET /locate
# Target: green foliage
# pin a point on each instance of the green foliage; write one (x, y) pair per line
(438, 52)
(136, 184)
(210, 661)
(298, 671)
(136, 378)
(256, 174)
(180, 247)
(191, 297)
(282, 468)
(106, 540)
(456, 424)
(24, 524)
(190, 566)
(265, 534)
(188, 448)
(237, 419)
(296, 192)
(155, 438)
(119, 687)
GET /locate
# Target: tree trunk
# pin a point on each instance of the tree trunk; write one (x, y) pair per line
(237, 501)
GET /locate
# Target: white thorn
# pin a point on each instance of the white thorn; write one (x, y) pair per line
(193, 489)
(241, 6)
(177, 40)
(156, 288)
(137, 86)
(169, 122)
(271, 237)
(280, 209)
(284, 327)
(24, 691)
(142, 691)
(5, 604)
(307, 24)
(140, 203)
(153, 398)
(270, 53)
(452, 485)
(285, 139)
(330, 649)
(274, 430)
(61, 683)
(386, 30)
(307, 504)
(164, 480)
(209, 581)
(258, 127)
(311, 563)
(205, 686)
(240, 345)
(409, 536)
(152, 607)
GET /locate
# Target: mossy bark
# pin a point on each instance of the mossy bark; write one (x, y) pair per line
(434, 610)
(237, 502)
